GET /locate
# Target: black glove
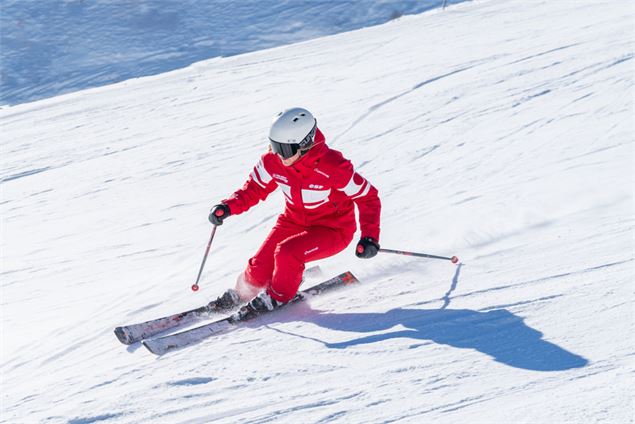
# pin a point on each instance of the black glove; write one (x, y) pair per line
(219, 213)
(367, 247)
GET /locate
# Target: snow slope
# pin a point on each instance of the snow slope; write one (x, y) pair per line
(501, 132)
(53, 47)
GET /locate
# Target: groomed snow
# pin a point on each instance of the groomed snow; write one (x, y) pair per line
(501, 132)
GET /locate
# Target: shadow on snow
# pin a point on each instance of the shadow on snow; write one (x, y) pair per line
(497, 333)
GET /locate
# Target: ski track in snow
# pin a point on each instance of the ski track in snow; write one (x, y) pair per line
(512, 149)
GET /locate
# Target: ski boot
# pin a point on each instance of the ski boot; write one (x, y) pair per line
(256, 306)
(226, 302)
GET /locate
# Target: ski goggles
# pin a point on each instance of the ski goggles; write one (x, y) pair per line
(289, 150)
(284, 150)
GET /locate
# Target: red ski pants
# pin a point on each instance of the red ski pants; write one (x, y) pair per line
(279, 263)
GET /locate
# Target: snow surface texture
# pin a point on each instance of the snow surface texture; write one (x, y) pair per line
(498, 131)
(58, 46)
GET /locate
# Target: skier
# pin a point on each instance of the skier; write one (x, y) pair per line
(320, 187)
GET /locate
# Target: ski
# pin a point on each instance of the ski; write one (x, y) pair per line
(129, 334)
(162, 345)
(133, 333)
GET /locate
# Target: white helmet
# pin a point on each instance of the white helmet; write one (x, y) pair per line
(292, 130)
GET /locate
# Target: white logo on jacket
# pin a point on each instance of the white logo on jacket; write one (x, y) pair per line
(281, 178)
(322, 173)
(311, 251)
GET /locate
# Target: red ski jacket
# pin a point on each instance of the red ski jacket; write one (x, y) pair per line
(319, 189)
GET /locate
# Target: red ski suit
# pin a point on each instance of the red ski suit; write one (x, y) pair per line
(318, 220)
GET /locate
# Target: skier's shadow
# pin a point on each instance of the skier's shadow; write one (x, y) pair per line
(497, 333)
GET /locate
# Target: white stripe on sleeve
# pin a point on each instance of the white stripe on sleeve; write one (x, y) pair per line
(260, 175)
(355, 190)
(363, 193)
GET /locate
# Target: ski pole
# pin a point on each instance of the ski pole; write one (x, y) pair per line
(200, 271)
(453, 259)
